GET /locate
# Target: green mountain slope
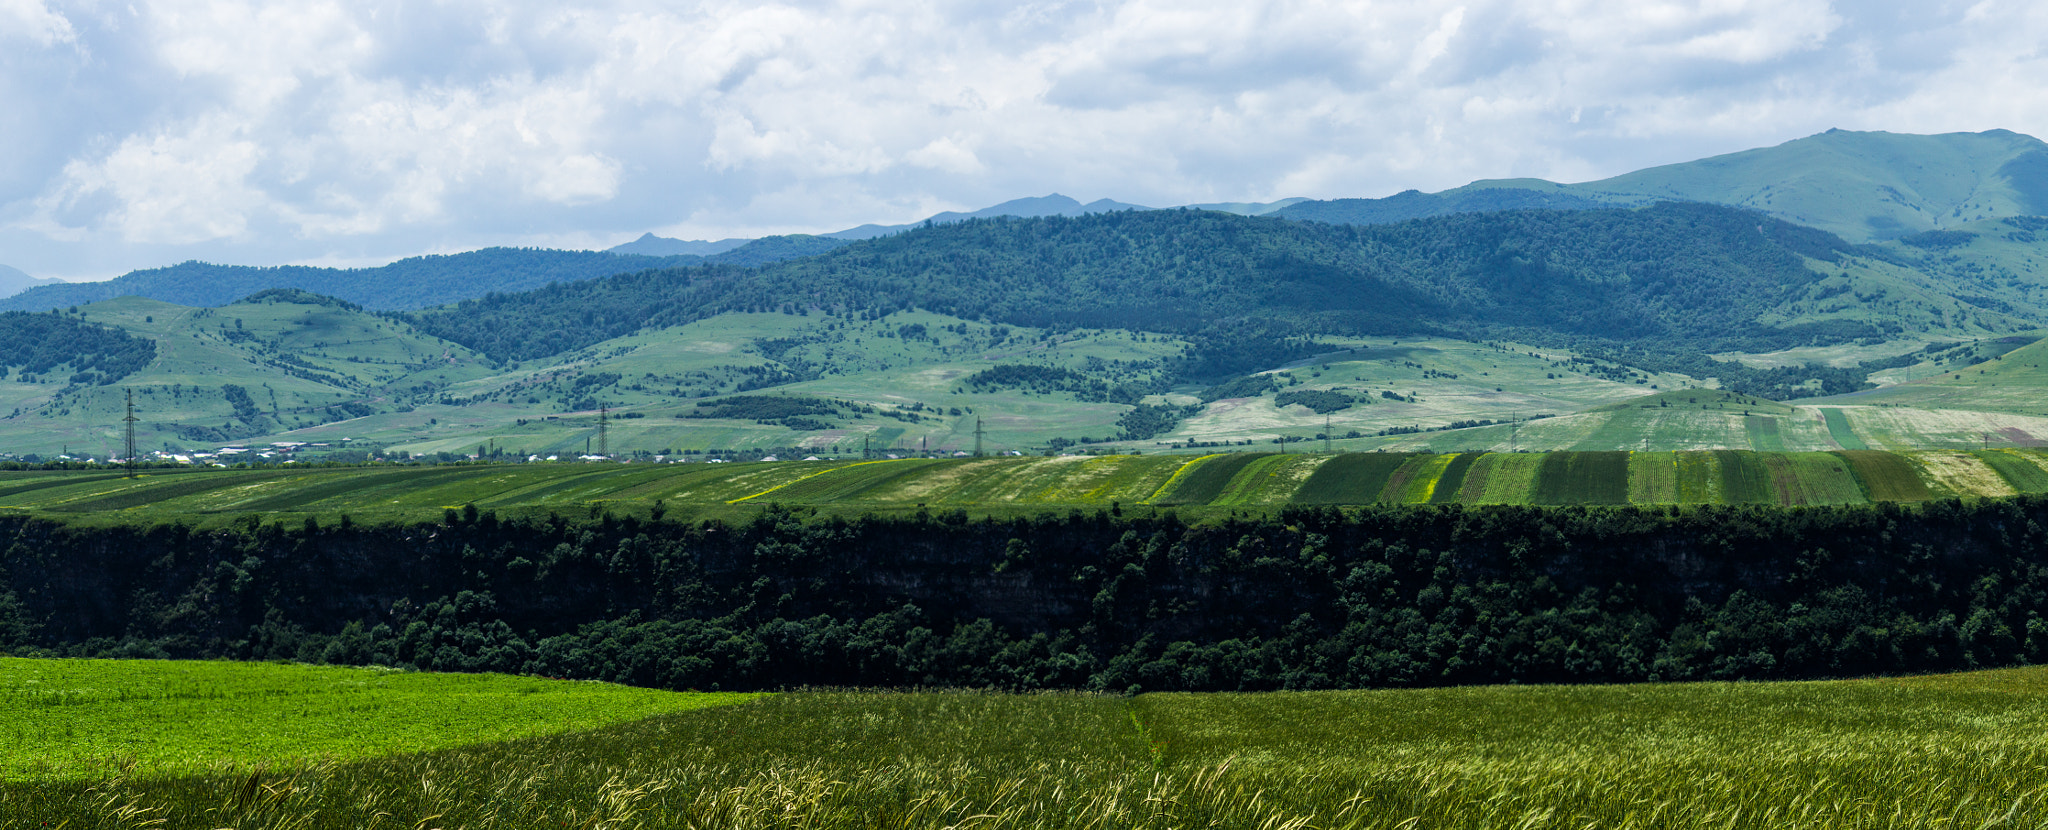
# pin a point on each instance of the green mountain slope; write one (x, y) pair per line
(417, 282)
(1861, 186)
(266, 365)
(1679, 276)
(1414, 204)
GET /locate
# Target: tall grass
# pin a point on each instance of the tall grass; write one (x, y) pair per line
(1961, 751)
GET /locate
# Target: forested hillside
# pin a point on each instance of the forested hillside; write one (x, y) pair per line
(1414, 204)
(34, 344)
(416, 282)
(1691, 277)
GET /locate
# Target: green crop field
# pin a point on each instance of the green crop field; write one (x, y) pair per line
(85, 719)
(1886, 477)
(1744, 479)
(1941, 751)
(1452, 479)
(1352, 478)
(2018, 470)
(1583, 478)
(387, 493)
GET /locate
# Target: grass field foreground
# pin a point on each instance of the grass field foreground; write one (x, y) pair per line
(83, 719)
(1946, 751)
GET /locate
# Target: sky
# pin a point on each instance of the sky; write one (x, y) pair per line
(138, 133)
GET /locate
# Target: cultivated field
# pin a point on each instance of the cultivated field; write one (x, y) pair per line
(1945, 751)
(1243, 479)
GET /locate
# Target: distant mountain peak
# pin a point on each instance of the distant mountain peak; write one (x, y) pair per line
(650, 245)
(13, 281)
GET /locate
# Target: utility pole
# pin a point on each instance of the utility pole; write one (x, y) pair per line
(1326, 433)
(603, 440)
(128, 424)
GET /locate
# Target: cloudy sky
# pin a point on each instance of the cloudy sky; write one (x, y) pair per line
(136, 134)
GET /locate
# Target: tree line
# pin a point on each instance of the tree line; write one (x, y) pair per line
(1114, 599)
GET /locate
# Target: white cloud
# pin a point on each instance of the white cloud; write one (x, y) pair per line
(174, 187)
(337, 130)
(33, 20)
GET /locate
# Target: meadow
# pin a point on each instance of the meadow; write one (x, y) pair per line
(1216, 480)
(91, 719)
(1939, 751)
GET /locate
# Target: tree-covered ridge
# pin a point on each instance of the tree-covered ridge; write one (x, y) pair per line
(416, 282)
(1413, 204)
(1693, 276)
(96, 354)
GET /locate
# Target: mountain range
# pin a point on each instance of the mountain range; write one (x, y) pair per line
(13, 281)
(1046, 322)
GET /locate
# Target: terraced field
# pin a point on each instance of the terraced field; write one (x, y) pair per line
(1218, 480)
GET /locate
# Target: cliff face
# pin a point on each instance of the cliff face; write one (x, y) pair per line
(1319, 596)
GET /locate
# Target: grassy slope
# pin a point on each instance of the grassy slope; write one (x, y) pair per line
(336, 356)
(1861, 186)
(547, 407)
(1959, 750)
(81, 719)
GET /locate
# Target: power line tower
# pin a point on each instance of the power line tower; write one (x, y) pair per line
(128, 429)
(1326, 433)
(603, 439)
(977, 436)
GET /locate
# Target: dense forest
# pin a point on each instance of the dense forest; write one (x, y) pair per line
(1116, 599)
(1691, 277)
(34, 344)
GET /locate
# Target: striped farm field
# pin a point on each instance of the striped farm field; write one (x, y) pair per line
(1653, 478)
(1957, 473)
(1839, 429)
(1351, 478)
(1503, 478)
(1452, 479)
(850, 482)
(1764, 434)
(1415, 481)
(1255, 480)
(1582, 478)
(1812, 478)
(1886, 476)
(2020, 470)
(1205, 481)
(1744, 478)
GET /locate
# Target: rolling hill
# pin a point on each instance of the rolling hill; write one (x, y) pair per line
(1861, 186)
(416, 282)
